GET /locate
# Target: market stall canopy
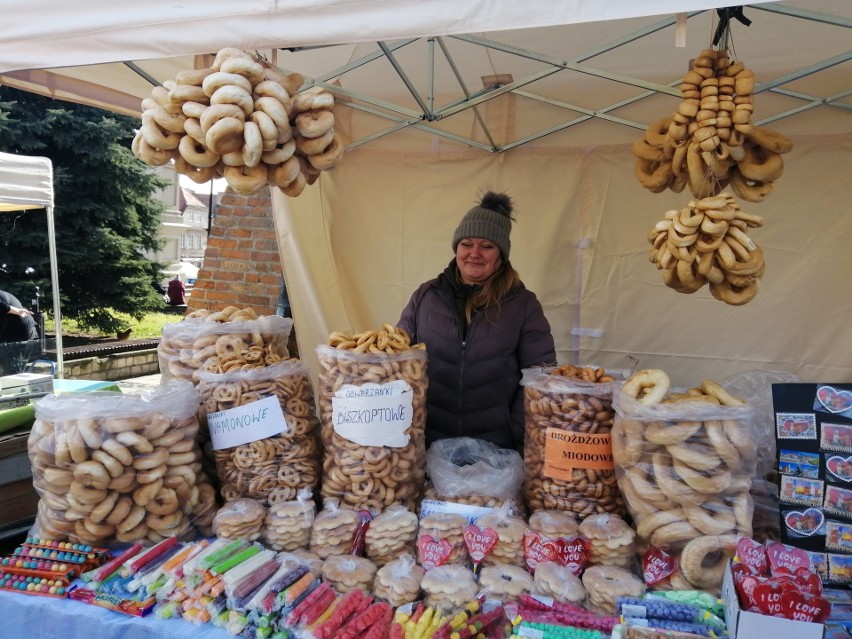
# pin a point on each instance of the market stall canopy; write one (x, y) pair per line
(489, 75)
(27, 183)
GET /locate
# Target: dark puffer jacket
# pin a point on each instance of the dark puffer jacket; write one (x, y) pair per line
(474, 386)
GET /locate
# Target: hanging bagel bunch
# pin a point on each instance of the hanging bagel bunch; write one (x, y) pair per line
(240, 119)
(709, 142)
(707, 242)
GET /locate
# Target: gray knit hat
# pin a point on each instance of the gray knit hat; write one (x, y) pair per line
(491, 220)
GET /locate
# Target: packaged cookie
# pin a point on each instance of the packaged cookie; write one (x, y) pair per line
(114, 467)
(685, 462)
(391, 534)
(554, 523)
(372, 400)
(398, 581)
(605, 584)
(288, 523)
(440, 540)
(465, 470)
(240, 519)
(505, 582)
(555, 580)
(349, 572)
(509, 548)
(333, 531)
(448, 587)
(610, 540)
(567, 446)
(263, 430)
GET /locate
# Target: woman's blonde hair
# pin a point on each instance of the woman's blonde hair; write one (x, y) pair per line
(492, 292)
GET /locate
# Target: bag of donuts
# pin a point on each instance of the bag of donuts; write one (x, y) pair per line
(263, 431)
(475, 472)
(110, 467)
(567, 441)
(685, 463)
(222, 341)
(372, 408)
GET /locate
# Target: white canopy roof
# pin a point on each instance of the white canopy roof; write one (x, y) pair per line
(25, 182)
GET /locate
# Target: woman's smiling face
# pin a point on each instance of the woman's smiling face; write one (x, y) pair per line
(477, 259)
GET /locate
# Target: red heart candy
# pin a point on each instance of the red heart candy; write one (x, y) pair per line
(433, 552)
(753, 554)
(538, 548)
(767, 598)
(479, 542)
(745, 588)
(784, 556)
(572, 552)
(802, 606)
(657, 566)
(810, 583)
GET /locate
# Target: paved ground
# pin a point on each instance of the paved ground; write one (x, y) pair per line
(139, 384)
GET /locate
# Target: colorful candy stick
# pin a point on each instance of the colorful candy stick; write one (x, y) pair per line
(132, 566)
(234, 560)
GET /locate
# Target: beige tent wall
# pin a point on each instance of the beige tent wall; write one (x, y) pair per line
(356, 244)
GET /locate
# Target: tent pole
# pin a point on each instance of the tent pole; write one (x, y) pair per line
(54, 280)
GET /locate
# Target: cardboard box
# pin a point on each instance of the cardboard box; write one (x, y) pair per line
(23, 384)
(743, 624)
(18, 504)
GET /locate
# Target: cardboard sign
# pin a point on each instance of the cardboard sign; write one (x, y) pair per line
(248, 423)
(566, 450)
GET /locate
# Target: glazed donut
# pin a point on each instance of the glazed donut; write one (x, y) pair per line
(196, 153)
(92, 474)
(246, 180)
(313, 98)
(233, 95)
(217, 80)
(648, 386)
(225, 135)
(328, 158)
(697, 551)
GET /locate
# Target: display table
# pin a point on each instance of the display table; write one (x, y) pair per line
(51, 618)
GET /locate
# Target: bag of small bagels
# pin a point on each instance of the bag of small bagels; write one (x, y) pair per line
(568, 417)
(685, 462)
(110, 467)
(464, 470)
(263, 431)
(221, 341)
(373, 412)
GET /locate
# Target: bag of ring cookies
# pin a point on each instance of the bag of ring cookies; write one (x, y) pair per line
(685, 462)
(567, 447)
(113, 467)
(263, 430)
(372, 402)
(221, 341)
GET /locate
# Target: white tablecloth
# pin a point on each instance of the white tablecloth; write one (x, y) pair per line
(51, 618)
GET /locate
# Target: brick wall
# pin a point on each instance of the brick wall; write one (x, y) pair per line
(113, 367)
(241, 266)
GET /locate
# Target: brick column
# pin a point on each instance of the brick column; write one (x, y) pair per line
(241, 265)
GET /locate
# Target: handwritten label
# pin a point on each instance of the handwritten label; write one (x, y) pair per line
(248, 423)
(373, 414)
(566, 450)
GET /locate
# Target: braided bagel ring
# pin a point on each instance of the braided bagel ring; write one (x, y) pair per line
(725, 449)
(670, 486)
(647, 386)
(706, 485)
(696, 456)
(715, 390)
(664, 433)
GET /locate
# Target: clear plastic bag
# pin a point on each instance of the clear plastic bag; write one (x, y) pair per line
(583, 409)
(348, 572)
(240, 519)
(265, 465)
(373, 416)
(398, 581)
(391, 533)
(685, 470)
(125, 468)
(288, 523)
